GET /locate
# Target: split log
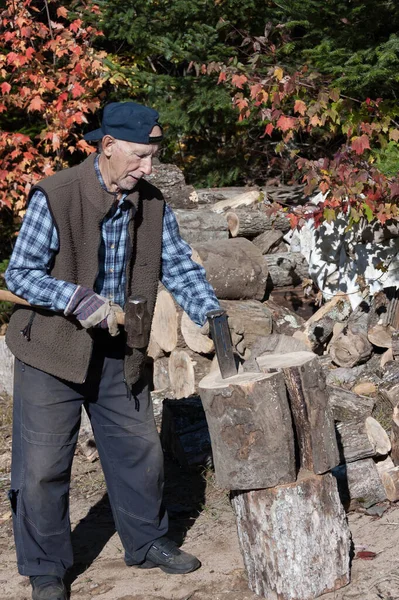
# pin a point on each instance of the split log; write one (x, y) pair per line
(184, 432)
(383, 465)
(350, 348)
(359, 483)
(164, 323)
(154, 350)
(251, 429)
(251, 223)
(353, 441)
(287, 268)
(181, 374)
(314, 425)
(378, 437)
(235, 268)
(249, 320)
(384, 317)
(294, 539)
(275, 343)
(284, 320)
(389, 386)
(347, 406)
(195, 340)
(390, 480)
(160, 374)
(319, 327)
(246, 199)
(201, 225)
(186, 369)
(268, 240)
(395, 436)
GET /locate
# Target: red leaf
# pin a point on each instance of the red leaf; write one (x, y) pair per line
(360, 144)
(75, 25)
(62, 12)
(36, 104)
(366, 555)
(239, 80)
(222, 76)
(77, 90)
(286, 123)
(324, 186)
(300, 107)
(5, 88)
(394, 187)
(269, 129)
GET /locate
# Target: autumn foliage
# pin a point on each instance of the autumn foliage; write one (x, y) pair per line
(50, 79)
(299, 109)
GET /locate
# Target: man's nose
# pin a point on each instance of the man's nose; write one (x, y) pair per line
(146, 166)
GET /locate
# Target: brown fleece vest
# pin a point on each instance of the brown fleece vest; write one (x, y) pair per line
(57, 344)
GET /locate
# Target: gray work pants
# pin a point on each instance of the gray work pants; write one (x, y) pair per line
(45, 430)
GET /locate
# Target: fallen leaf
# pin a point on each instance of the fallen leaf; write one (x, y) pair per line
(366, 555)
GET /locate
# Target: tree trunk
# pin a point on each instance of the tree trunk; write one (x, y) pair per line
(312, 418)
(359, 483)
(235, 268)
(287, 268)
(251, 429)
(197, 226)
(251, 223)
(294, 539)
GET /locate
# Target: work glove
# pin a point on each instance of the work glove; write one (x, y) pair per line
(93, 310)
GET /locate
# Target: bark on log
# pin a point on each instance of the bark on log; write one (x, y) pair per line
(389, 386)
(250, 223)
(294, 539)
(249, 320)
(353, 441)
(170, 180)
(251, 430)
(268, 240)
(235, 268)
(164, 324)
(195, 340)
(395, 436)
(319, 327)
(287, 268)
(314, 425)
(346, 406)
(284, 320)
(359, 483)
(197, 226)
(390, 480)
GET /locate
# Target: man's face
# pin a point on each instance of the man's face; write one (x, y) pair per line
(127, 162)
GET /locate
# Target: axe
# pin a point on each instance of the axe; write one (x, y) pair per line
(221, 336)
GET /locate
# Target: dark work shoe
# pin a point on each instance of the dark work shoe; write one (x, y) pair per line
(48, 587)
(166, 555)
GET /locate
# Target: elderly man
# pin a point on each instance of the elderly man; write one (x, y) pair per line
(93, 235)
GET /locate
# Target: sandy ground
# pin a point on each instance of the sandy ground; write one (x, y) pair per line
(201, 518)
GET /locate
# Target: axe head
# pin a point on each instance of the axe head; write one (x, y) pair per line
(221, 336)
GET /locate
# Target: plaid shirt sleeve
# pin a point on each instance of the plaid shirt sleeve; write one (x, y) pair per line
(27, 273)
(183, 277)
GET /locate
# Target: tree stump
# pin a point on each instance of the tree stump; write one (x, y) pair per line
(312, 418)
(251, 429)
(294, 539)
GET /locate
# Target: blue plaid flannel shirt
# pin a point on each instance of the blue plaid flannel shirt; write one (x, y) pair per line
(37, 243)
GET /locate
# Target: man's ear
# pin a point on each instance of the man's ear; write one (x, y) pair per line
(108, 144)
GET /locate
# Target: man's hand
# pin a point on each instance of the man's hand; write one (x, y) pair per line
(93, 310)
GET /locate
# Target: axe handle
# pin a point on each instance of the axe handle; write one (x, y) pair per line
(6, 296)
